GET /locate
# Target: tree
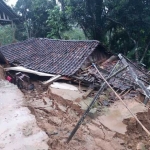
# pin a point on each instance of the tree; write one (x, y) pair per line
(35, 15)
(88, 15)
(6, 33)
(56, 22)
(129, 25)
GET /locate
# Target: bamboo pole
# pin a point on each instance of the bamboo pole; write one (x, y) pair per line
(122, 101)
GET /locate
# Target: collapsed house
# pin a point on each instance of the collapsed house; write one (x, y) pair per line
(70, 60)
(85, 63)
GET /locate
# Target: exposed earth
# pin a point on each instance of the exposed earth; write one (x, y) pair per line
(112, 128)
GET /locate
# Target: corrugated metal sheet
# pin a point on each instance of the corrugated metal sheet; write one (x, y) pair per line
(50, 56)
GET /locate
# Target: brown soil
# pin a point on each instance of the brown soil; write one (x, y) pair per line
(58, 119)
(135, 134)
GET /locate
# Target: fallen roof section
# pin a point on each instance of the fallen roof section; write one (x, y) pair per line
(50, 56)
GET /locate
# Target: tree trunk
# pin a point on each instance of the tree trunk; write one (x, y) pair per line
(145, 51)
(136, 52)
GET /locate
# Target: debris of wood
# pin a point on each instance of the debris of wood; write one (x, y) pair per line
(87, 93)
(123, 102)
(52, 80)
(23, 69)
(92, 103)
(135, 77)
(64, 86)
(112, 58)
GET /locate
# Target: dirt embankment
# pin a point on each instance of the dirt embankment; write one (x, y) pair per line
(135, 135)
(58, 119)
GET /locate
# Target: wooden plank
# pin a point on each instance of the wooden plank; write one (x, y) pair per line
(51, 80)
(23, 69)
(87, 93)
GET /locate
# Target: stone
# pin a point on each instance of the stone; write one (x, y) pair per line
(140, 146)
(49, 129)
(27, 131)
(65, 94)
(62, 108)
(102, 97)
(84, 105)
(55, 120)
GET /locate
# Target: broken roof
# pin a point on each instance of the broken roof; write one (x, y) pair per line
(50, 56)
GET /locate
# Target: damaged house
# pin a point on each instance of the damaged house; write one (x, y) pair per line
(70, 60)
(82, 63)
(67, 59)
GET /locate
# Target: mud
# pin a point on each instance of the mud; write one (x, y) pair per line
(57, 117)
(135, 134)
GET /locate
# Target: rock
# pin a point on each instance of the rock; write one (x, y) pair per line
(55, 120)
(132, 121)
(92, 113)
(27, 131)
(65, 94)
(140, 146)
(49, 129)
(67, 98)
(84, 105)
(102, 97)
(62, 108)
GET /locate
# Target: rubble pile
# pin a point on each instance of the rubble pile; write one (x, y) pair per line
(82, 96)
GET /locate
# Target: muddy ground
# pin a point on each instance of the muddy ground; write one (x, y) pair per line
(58, 119)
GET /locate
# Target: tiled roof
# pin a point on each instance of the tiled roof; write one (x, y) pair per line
(50, 56)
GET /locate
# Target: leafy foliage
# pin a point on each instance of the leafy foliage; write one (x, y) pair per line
(122, 25)
(129, 25)
(57, 23)
(7, 35)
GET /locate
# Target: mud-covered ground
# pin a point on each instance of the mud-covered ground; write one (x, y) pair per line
(58, 119)
(135, 135)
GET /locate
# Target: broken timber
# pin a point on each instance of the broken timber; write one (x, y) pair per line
(135, 77)
(51, 80)
(123, 101)
(23, 69)
(103, 86)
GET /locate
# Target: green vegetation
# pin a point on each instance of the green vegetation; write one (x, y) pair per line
(6, 35)
(122, 25)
